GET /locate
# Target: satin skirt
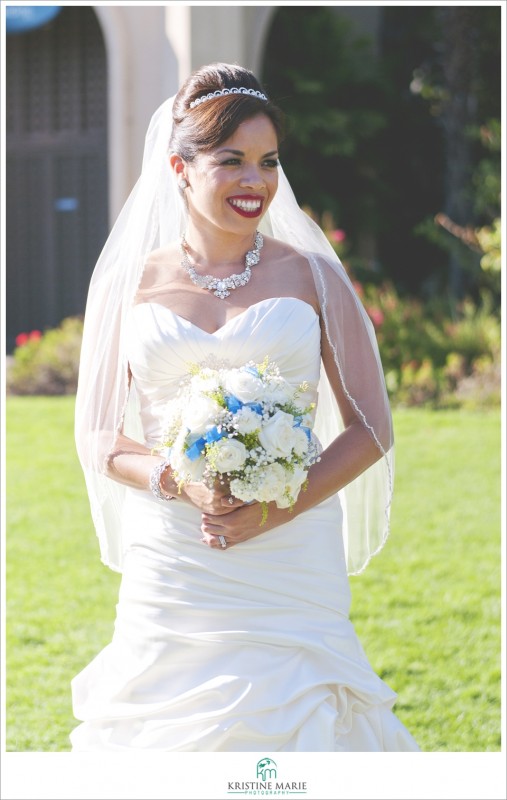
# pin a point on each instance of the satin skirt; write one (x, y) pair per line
(244, 649)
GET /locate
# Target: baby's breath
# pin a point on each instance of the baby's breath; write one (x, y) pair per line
(249, 441)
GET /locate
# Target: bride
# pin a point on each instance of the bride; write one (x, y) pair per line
(232, 632)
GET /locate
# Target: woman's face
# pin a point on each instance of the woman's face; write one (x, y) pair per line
(231, 186)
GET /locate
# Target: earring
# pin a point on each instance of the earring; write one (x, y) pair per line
(182, 183)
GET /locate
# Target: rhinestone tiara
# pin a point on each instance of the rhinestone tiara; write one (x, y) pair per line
(223, 92)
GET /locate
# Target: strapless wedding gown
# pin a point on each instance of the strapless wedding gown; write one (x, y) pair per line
(244, 649)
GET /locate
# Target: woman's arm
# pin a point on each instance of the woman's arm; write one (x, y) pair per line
(350, 454)
(131, 463)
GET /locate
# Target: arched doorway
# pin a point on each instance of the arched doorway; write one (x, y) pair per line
(56, 168)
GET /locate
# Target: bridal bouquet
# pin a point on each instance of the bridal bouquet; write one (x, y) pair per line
(244, 427)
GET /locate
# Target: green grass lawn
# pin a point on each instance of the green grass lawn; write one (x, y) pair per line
(427, 609)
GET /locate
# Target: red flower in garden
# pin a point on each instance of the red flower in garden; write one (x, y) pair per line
(359, 289)
(23, 338)
(376, 315)
(338, 236)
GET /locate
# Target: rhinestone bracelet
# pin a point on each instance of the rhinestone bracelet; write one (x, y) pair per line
(155, 477)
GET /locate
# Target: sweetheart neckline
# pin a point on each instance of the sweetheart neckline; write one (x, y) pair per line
(232, 319)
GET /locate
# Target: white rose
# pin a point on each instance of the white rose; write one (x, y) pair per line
(229, 455)
(246, 387)
(277, 435)
(300, 442)
(199, 413)
(246, 420)
(271, 486)
(293, 482)
(278, 391)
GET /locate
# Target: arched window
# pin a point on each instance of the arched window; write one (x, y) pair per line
(56, 176)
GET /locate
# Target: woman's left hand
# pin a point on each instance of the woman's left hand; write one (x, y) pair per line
(241, 524)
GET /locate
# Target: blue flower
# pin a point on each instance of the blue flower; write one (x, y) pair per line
(232, 403)
(298, 424)
(195, 450)
(255, 407)
(213, 435)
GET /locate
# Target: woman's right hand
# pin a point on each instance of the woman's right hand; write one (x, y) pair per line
(214, 501)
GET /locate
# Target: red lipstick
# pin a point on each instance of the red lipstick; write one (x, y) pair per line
(246, 205)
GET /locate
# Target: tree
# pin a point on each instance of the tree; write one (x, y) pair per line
(386, 143)
(326, 79)
(460, 81)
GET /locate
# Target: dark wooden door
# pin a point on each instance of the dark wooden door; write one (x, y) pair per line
(56, 168)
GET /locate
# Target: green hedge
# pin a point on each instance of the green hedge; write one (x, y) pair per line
(432, 356)
(46, 364)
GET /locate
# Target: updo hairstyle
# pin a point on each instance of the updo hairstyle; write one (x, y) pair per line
(209, 124)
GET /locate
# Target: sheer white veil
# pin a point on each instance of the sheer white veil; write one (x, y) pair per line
(106, 403)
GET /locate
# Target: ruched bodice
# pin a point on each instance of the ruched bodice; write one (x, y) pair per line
(161, 345)
(244, 649)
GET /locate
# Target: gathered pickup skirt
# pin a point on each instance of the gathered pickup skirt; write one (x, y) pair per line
(244, 649)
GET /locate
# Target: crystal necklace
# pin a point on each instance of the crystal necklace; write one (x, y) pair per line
(221, 286)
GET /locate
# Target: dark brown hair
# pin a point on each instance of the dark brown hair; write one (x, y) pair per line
(206, 126)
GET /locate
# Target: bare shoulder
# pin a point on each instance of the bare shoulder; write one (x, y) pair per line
(290, 268)
(281, 251)
(160, 264)
(163, 256)
(288, 258)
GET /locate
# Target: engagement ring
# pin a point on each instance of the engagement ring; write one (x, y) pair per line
(222, 540)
